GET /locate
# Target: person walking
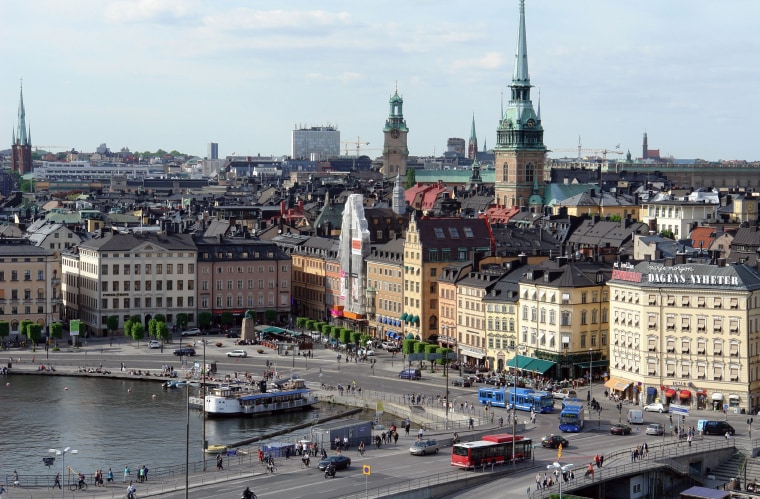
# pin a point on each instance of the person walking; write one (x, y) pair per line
(601, 460)
(470, 424)
(219, 464)
(57, 481)
(127, 471)
(109, 476)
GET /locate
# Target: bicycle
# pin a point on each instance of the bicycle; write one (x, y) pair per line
(77, 485)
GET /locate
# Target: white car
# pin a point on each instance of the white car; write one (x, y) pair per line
(191, 332)
(237, 353)
(154, 344)
(655, 407)
(368, 352)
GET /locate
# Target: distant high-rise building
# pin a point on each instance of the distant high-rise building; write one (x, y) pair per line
(316, 143)
(213, 151)
(455, 145)
(395, 150)
(520, 152)
(21, 148)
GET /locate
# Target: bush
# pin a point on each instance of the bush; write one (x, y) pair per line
(260, 350)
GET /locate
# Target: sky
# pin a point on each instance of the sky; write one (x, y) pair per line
(178, 74)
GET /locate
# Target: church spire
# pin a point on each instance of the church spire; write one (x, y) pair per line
(521, 76)
(472, 146)
(21, 135)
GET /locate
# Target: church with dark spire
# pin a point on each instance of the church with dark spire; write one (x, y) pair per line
(21, 148)
(472, 146)
(520, 153)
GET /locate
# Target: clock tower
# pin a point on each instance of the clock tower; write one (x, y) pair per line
(395, 150)
(520, 152)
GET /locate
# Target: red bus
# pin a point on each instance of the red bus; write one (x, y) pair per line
(492, 449)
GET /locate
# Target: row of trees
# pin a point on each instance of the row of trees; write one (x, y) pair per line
(434, 353)
(133, 327)
(30, 330)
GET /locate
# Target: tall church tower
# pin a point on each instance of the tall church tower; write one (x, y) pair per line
(520, 152)
(472, 146)
(21, 148)
(395, 150)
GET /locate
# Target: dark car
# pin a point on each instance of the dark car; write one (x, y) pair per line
(461, 382)
(340, 462)
(620, 429)
(180, 352)
(553, 441)
(717, 428)
(214, 330)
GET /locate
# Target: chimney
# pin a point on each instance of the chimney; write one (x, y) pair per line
(283, 207)
(721, 262)
(680, 258)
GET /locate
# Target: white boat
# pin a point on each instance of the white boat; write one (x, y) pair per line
(227, 400)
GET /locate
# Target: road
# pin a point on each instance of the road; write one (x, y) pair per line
(391, 463)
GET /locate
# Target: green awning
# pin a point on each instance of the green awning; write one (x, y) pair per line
(404, 316)
(539, 365)
(410, 336)
(416, 319)
(272, 329)
(596, 363)
(519, 361)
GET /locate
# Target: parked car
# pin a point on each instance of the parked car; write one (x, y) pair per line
(463, 382)
(180, 352)
(366, 351)
(154, 344)
(191, 332)
(553, 441)
(340, 462)
(237, 353)
(656, 407)
(620, 429)
(717, 428)
(424, 447)
(655, 429)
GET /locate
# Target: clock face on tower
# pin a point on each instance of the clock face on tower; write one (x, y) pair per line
(395, 133)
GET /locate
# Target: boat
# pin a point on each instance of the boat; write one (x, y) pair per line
(235, 400)
(216, 449)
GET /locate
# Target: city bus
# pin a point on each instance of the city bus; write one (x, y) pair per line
(523, 398)
(492, 449)
(571, 418)
(495, 397)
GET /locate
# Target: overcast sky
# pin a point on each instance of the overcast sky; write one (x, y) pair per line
(177, 74)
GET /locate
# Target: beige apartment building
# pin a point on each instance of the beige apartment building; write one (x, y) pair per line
(130, 274)
(385, 270)
(30, 283)
(471, 316)
(686, 333)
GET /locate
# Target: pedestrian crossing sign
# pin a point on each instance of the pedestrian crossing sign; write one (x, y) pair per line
(366, 470)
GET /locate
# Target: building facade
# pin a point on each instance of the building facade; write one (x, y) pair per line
(385, 270)
(130, 275)
(30, 283)
(236, 275)
(316, 143)
(686, 333)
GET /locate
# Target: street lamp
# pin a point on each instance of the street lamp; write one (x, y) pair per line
(563, 469)
(63, 453)
(590, 375)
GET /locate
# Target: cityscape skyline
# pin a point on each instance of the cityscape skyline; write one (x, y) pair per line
(176, 74)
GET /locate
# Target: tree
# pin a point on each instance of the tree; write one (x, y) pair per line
(270, 315)
(56, 330)
(411, 178)
(181, 321)
(152, 327)
(431, 349)
(22, 327)
(138, 332)
(160, 317)
(34, 333)
(204, 320)
(162, 331)
(227, 318)
(5, 330)
(128, 328)
(112, 323)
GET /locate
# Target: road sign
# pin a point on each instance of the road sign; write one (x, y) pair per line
(451, 355)
(683, 411)
(416, 356)
(725, 407)
(366, 470)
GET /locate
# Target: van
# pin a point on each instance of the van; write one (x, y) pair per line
(717, 428)
(635, 416)
(410, 374)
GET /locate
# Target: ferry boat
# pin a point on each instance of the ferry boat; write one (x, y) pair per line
(235, 400)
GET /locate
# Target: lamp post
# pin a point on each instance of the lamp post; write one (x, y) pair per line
(203, 404)
(563, 469)
(63, 453)
(590, 375)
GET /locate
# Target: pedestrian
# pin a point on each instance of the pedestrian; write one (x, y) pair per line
(16, 482)
(395, 437)
(109, 476)
(538, 481)
(131, 491)
(470, 424)
(141, 474)
(127, 471)
(501, 421)
(597, 461)
(421, 433)
(219, 463)
(261, 455)
(688, 439)
(57, 481)
(287, 452)
(728, 436)
(601, 460)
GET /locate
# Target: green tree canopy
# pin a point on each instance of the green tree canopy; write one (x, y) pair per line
(23, 325)
(138, 332)
(160, 317)
(162, 331)
(181, 321)
(270, 315)
(56, 330)
(411, 178)
(112, 323)
(204, 319)
(5, 329)
(227, 318)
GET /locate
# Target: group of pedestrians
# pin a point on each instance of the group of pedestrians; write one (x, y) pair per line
(639, 452)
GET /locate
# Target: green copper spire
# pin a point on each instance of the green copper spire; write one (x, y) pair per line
(521, 76)
(473, 137)
(22, 136)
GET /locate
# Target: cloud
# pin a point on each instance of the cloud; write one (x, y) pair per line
(243, 19)
(489, 61)
(345, 77)
(150, 11)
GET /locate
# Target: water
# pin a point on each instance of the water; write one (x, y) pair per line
(113, 423)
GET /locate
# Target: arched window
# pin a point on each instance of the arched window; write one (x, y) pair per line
(530, 172)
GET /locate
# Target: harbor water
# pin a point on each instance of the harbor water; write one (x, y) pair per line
(116, 423)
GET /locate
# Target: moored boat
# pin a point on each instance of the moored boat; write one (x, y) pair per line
(215, 449)
(228, 400)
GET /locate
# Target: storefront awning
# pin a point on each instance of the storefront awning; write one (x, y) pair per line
(539, 366)
(519, 361)
(717, 396)
(684, 394)
(670, 393)
(733, 397)
(617, 384)
(595, 363)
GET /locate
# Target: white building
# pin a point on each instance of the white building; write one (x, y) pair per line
(130, 274)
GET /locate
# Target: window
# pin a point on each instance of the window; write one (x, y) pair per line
(566, 318)
(169, 268)
(159, 268)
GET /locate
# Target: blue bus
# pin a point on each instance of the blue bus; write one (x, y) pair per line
(524, 399)
(571, 418)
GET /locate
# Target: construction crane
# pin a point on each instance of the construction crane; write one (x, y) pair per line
(358, 143)
(580, 150)
(47, 148)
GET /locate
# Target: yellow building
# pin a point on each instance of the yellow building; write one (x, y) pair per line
(686, 333)
(310, 261)
(563, 319)
(385, 271)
